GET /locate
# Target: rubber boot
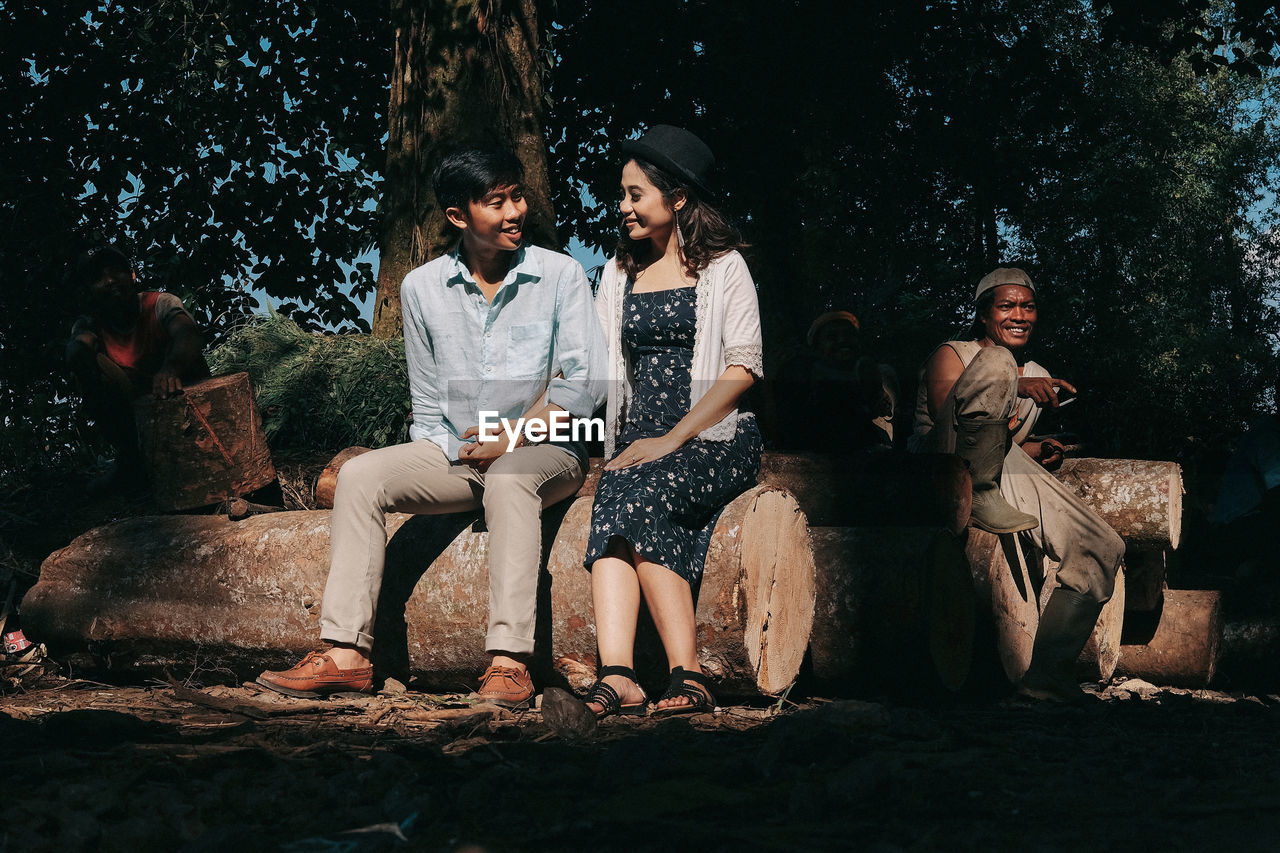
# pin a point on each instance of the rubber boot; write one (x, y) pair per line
(982, 443)
(1065, 625)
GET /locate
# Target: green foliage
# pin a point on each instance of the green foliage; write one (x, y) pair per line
(881, 157)
(225, 145)
(320, 393)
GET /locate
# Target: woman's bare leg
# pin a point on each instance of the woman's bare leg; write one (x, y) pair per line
(670, 601)
(615, 597)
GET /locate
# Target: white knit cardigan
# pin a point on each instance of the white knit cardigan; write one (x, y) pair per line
(726, 331)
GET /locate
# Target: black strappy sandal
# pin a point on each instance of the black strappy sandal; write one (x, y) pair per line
(698, 693)
(608, 699)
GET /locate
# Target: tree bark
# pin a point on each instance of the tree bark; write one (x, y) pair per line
(205, 444)
(1141, 500)
(755, 605)
(151, 593)
(465, 72)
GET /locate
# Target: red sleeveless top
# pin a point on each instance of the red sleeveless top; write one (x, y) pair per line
(143, 347)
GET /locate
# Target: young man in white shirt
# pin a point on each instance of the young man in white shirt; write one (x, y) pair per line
(492, 327)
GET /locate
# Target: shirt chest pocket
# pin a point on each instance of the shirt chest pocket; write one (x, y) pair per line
(528, 349)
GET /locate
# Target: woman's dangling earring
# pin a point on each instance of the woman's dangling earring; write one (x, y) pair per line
(679, 233)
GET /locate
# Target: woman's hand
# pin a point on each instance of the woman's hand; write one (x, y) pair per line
(1048, 452)
(1043, 389)
(643, 450)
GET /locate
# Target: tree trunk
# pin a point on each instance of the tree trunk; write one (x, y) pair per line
(1141, 500)
(895, 608)
(205, 444)
(465, 72)
(151, 593)
(1008, 584)
(1179, 645)
(327, 482)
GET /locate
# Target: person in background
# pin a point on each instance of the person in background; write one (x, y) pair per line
(128, 343)
(832, 389)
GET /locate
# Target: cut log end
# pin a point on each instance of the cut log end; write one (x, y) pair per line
(1180, 645)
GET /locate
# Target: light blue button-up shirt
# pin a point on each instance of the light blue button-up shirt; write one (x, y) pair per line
(467, 355)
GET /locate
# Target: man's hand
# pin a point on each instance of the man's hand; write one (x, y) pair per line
(481, 454)
(643, 450)
(1048, 452)
(1043, 389)
(165, 384)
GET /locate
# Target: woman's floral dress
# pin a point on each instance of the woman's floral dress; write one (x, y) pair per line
(668, 508)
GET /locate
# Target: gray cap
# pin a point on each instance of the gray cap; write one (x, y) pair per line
(1003, 275)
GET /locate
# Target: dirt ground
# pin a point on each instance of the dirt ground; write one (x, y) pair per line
(199, 767)
(89, 766)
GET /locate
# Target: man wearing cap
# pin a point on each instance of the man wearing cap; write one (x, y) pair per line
(980, 399)
(830, 396)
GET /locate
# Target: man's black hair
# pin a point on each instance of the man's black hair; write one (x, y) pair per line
(472, 173)
(91, 265)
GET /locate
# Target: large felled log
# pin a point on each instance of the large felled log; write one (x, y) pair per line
(247, 594)
(327, 482)
(1008, 592)
(1141, 500)
(1012, 581)
(205, 444)
(895, 608)
(755, 606)
(1179, 645)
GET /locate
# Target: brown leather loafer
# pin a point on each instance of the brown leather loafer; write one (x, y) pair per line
(506, 686)
(317, 675)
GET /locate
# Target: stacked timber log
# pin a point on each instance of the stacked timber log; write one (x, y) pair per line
(246, 594)
(895, 608)
(1142, 501)
(881, 592)
(204, 444)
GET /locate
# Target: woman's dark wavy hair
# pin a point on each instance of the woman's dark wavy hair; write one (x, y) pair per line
(707, 233)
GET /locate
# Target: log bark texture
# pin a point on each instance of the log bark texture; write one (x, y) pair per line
(1180, 645)
(1008, 583)
(1012, 581)
(895, 608)
(177, 589)
(205, 444)
(1141, 500)
(327, 482)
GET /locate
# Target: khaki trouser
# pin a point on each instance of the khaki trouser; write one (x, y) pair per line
(1088, 550)
(418, 478)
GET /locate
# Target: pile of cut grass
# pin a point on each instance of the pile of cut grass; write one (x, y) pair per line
(320, 393)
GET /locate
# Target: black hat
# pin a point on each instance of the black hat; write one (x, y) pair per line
(676, 151)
